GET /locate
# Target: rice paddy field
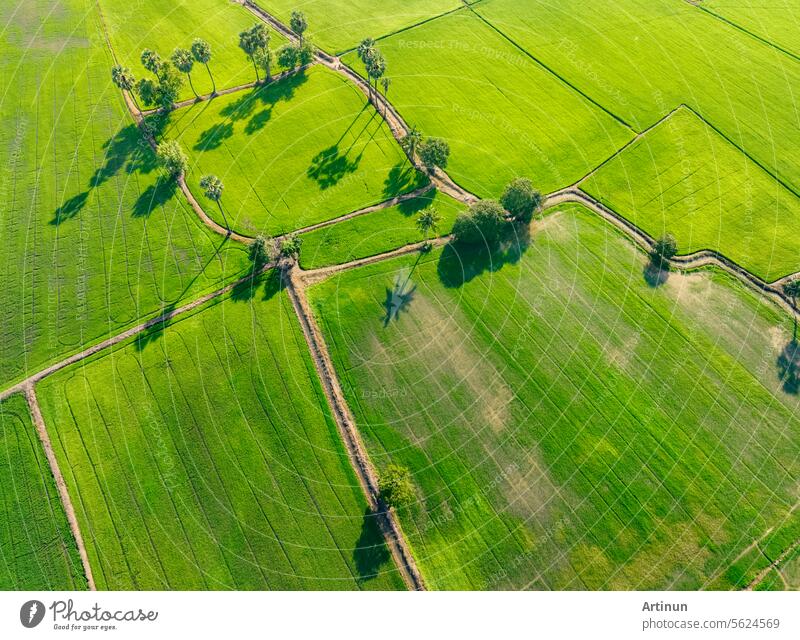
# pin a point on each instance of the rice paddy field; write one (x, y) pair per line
(162, 26)
(205, 458)
(569, 426)
(642, 58)
(683, 178)
(777, 22)
(92, 238)
(37, 551)
(375, 232)
(352, 21)
(502, 114)
(305, 149)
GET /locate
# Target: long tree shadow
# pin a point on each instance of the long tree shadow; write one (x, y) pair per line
(70, 208)
(154, 196)
(269, 282)
(330, 165)
(214, 136)
(788, 365)
(413, 206)
(655, 273)
(460, 263)
(157, 330)
(402, 177)
(370, 553)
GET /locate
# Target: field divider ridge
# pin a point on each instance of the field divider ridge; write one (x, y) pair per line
(356, 451)
(61, 485)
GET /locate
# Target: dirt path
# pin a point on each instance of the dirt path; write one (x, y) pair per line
(120, 337)
(773, 565)
(359, 459)
(38, 421)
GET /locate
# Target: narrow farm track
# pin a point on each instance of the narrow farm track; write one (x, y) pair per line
(772, 565)
(61, 485)
(21, 387)
(367, 475)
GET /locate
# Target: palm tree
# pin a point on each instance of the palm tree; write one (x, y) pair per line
(151, 61)
(212, 188)
(247, 45)
(411, 141)
(365, 49)
(428, 221)
(376, 67)
(298, 24)
(124, 80)
(201, 51)
(255, 42)
(183, 61)
(385, 82)
(264, 60)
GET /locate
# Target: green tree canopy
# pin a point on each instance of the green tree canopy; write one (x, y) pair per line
(434, 152)
(664, 249)
(521, 200)
(298, 23)
(172, 158)
(396, 486)
(481, 224)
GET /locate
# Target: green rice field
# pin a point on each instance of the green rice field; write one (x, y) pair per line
(682, 177)
(776, 21)
(502, 114)
(205, 458)
(567, 424)
(305, 149)
(37, 550)
(375, 232)
(93, 239)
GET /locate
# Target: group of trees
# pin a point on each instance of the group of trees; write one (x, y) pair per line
(264, 250)
(375, 67)
(255, 44)
(433, 152)
(163, 89)
(486, 221)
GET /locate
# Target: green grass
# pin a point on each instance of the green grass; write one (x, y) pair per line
(567, 425)
(163, 25)
(335, 30)
(37, 550)
(683, 177)
(375, 232)
(205, 458)
(92, 241)
(305, 149)
(502, 114)
(777, 21)
(642, 58)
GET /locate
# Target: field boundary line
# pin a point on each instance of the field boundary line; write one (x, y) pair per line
(129, 333)
(61, 485)
(356, 451)
(772, 565)
(745, 30)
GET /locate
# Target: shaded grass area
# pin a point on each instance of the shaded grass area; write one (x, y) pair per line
(93, 239)
(206, 458)
(682, 177)
(37, 550)
(502, 114)
(568, 426)
(642, 58)
(163, 25)
(304, 149)
(352, 21)
(375, 232)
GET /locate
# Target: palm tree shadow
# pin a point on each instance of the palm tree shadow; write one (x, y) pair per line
(155, 332)
(788, 366)
(213, 137)
(402, 177)
(154, 196)
(246, 290)
(330, 165)
(370, 553)
(70, 208)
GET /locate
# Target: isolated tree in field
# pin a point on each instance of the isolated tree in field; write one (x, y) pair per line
(152, 61)
(146, 89)
(290, 246)
(434, 152)
(201, 51)
(664, 249)
(411, 141)
(124, 80)
(184, 62)
(259, 251)
(172, 158)
(521, 200)
(212, 188)
(298, 24)
(428, 221)
(482, 223)
(396, 487)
